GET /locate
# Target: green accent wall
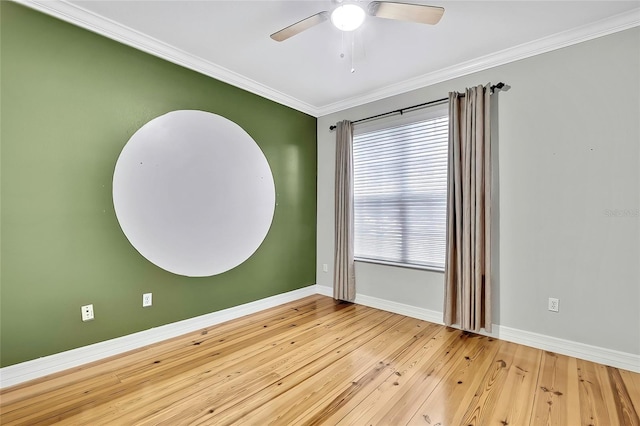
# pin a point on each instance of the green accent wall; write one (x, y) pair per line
(70, 100)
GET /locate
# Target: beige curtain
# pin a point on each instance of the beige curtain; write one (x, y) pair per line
(468, 256)
(344, 282)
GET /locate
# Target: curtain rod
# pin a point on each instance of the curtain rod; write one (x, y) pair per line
(402, 110)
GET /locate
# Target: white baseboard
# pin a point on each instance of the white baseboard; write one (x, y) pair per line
(324, 290)
(389, 306)
(29, 370)
(624, 360)
(400, 308)
(613, 358)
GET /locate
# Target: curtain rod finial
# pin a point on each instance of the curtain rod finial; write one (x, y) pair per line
(500, 86)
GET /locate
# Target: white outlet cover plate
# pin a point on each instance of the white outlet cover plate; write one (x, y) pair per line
(147, 300)
(87, 312)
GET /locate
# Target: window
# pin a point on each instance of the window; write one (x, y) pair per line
(400, 190)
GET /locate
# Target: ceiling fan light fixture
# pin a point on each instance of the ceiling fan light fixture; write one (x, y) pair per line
(347, 17)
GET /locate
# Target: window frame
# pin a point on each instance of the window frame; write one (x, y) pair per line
(423, 114)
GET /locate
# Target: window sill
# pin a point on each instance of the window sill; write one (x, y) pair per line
(400, 265)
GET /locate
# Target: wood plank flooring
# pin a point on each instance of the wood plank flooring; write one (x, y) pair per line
(318, 362)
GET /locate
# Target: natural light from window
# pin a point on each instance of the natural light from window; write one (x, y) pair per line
(400, 193)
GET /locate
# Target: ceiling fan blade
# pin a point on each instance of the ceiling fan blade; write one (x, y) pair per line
(300, 26)
(406, 12)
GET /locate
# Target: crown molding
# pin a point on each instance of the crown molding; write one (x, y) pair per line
(570, 37)
(85, 19)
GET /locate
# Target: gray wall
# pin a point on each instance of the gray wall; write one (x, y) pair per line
(567, 189)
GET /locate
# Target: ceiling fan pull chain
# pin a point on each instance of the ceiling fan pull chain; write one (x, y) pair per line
(353, 42)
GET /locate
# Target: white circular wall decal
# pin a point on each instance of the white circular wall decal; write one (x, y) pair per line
(193, 193)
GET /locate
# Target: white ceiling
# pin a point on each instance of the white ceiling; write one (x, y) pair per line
(229, 40)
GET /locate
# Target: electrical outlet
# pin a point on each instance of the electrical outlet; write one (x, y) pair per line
(554, 304)
(147, 300)
(87, 312)
(325, 267)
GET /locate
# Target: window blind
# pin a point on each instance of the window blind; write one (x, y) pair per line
(400, 193)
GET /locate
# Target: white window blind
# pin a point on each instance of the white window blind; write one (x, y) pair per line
(400, 193)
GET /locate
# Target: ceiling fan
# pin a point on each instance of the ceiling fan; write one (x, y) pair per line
(349, 16)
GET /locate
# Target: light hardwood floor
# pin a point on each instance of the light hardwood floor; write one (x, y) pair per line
(315, 361)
